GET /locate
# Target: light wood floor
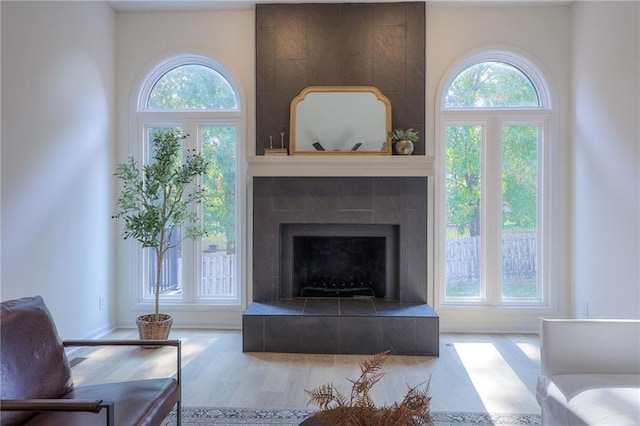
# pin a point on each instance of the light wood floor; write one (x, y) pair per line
(475, 373)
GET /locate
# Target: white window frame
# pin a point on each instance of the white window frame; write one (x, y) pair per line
(191, 121)
(492, 121)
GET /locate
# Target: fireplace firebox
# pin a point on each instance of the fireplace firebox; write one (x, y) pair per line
(338, 267)
(339, 260)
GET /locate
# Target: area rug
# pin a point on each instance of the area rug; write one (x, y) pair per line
(198, 416)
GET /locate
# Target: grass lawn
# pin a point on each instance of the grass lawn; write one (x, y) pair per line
(520, 288)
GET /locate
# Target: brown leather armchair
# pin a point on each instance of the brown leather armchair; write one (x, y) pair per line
(36, 385)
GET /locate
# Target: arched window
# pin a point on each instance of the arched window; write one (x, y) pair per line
(491, 85)
(192, 86)
(495, 109)
(196, 96)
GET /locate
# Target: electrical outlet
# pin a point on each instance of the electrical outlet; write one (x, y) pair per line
(101, 303)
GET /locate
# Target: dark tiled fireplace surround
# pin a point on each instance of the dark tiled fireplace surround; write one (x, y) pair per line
(278, 321)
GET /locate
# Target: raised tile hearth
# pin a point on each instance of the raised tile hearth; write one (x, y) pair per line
(341, 326)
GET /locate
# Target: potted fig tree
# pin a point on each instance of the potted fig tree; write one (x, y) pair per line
(157, 200)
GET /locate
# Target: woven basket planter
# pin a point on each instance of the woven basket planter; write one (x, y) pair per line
(149, 329)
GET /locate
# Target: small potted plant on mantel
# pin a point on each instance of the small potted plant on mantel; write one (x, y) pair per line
(403, 140)
(156, 200)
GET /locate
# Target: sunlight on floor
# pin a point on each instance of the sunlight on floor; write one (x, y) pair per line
(530, 350)
(499, 387)
(140, 363)
(193, 346)
(495, 373)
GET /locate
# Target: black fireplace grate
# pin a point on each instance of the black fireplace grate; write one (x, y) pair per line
(339, 266)
(338, 289)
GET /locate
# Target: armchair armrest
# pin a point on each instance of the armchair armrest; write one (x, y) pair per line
(132, 342)
(93, 406)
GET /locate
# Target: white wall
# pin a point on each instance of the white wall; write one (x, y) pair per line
(606, 99)
(57, 150)
(143, 39)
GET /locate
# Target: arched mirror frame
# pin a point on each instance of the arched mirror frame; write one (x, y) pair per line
(295, 123)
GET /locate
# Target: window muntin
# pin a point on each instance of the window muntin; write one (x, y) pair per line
(192, 86)
(491, 85)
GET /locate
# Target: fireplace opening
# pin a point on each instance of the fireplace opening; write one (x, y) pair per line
(339, 261)
(339, 266)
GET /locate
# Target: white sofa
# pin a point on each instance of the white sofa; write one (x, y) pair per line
(590, 372)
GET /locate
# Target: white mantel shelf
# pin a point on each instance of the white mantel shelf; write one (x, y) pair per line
(340, 165)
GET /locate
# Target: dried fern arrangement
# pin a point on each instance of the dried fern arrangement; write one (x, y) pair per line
(360, 410)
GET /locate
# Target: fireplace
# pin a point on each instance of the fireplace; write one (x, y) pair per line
(313, 237)
(339, 260)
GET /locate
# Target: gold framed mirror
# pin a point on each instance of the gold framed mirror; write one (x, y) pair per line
(340, 120)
